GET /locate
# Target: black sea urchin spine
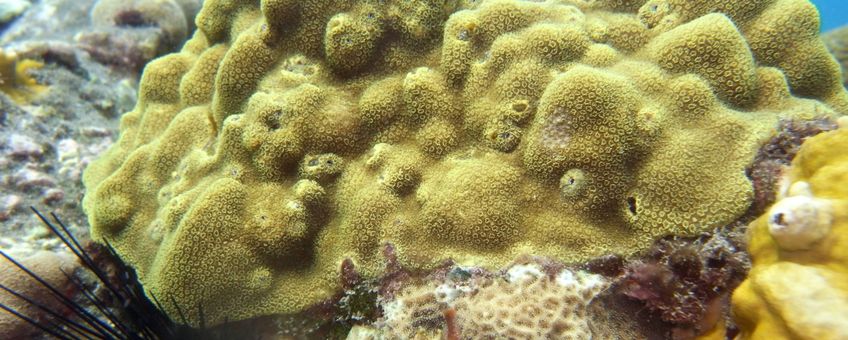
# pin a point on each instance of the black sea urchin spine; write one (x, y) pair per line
(131, 316)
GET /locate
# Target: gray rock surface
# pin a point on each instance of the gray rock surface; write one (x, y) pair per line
(11, 9)
(93, 53)
(92, 61)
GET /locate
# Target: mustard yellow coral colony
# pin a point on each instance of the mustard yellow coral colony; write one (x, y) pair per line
(289, 135)
(798, 286)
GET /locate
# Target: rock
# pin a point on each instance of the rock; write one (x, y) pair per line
(53, 196)
(46, 143)
(28, 178)
(8, 205)
(49, 266)
(11, 9)
(20, 146)
(68, 154)
(91, 131)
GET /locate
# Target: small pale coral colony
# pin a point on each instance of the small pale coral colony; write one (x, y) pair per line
(290, 136)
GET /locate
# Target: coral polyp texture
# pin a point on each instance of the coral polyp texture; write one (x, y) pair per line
(288, 136)
(526, 302)
(798, 287)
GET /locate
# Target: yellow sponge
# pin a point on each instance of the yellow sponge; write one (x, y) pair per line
(798, 286)
(16, 80)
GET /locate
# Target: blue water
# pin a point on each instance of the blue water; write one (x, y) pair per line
(834, 13)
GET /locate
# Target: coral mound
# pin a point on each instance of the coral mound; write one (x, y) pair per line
(798, 286)
(526, 302)
(531, 306)
(837, 43)
(288, 136)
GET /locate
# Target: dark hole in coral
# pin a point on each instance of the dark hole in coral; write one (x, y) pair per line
(778, 219)
(273, 120)
(631, 205)
(131, 18)
(653, 8)
(273, 124)
(505, 135)
(329, 162)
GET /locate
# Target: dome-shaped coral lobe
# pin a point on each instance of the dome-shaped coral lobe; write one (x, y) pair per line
(288, 136)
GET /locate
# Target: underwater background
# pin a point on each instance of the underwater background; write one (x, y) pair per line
(834, 13)
(708, 165)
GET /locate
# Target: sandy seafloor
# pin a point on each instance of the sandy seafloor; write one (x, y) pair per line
(46, 143)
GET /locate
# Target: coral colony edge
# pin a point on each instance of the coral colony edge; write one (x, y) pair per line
(476, 169)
